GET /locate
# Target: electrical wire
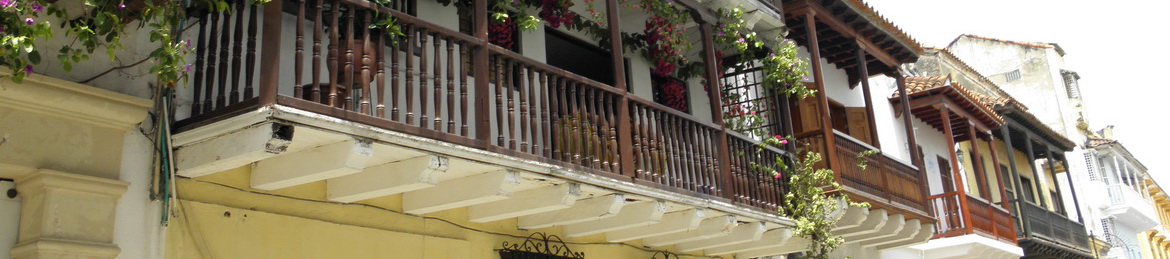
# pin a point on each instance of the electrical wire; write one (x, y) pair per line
(417, 216)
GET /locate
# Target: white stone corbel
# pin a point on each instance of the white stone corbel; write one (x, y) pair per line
(320, 163)
(233, 150)
(632, 215)
(584, 210)
(528, 202)
(709, 228)
(743, 233)
(772, 239)
(462, 192)
(674, 222)
(388, 179)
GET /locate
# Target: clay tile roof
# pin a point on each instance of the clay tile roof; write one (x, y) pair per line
(1096, 142)
(1028, 44)
(887, 25)
(982, 101)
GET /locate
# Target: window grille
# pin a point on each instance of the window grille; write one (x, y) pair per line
(1091, 167)
(1012, 76)
(539, 246)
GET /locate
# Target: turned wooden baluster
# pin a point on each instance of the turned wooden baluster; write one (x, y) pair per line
(545, 107)
(560, 121)
(251, 67)
(638, 138)
(602, 141)
(438, 78)
(334, 37)
(298, 61)
(318, 28)
(366, 62)
(450, 85)
(212, 58)
(350, 67)
(380, 56)
(499, 100)
(590, 139)
(612, 103)
(464, 103)
(509, 83)
(411, 38)
(197, 100)
(524, 95)
(423, 79)
(224, 51)
(528, 101)
(237, 48)
(657, 152)
(394, 89)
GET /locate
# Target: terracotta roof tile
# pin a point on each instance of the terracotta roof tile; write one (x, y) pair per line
(889, 26)
(982, 101)
(1096, 142)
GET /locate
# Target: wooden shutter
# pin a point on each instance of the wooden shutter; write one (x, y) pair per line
(857, 119)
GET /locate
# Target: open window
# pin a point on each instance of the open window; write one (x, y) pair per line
(577, 56)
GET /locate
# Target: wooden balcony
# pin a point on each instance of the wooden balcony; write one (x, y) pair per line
(885, 182)
(1053, 227)
(438, 83)
(970, 215)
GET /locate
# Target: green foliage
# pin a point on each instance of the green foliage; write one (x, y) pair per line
(783, 71)
(860, 158)
(808, 201)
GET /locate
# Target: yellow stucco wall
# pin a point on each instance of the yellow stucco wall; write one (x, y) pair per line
(1023, 166)
(218, 216)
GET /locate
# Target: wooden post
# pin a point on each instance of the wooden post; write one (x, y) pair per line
(863, 73)
(911, 140)
(479, 62)
(977, 161)
(617, 61)
(710, 62)
(1073, 188)
(1015, 176)
(814, 49)
(1052, 172)
(270, 75)
(1032, 164)
(945, 114)
(998, 177)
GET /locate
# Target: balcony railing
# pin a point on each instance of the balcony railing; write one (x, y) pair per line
(438, 83)
(985, 219)
(1053, 226)
(883, 176)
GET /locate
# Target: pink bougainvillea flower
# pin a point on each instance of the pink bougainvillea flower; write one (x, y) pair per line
(121, 5)
(779, 137)
(2, 28)
(777, 174)
(28, 70)
(29, 21)
(6, 3)
(38, 8)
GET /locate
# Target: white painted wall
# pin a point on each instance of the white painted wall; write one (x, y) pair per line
(137, 227)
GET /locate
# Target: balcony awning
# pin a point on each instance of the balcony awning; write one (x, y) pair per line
(929, 94)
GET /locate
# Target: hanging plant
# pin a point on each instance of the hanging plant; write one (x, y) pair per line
(556, 12)
(784, 71)
(502, 33)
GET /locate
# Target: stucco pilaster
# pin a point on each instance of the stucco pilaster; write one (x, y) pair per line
(65, 215)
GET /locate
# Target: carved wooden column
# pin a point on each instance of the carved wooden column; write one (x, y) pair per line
(945, 114)
(814, 50)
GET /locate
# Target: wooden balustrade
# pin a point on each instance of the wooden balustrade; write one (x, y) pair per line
(752, 180)
(1052, 226)
(883, 176)
(984, 218)
(425, 83)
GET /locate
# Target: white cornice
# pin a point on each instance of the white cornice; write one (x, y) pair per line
(83, 103)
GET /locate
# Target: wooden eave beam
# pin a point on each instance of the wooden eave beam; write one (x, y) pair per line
(844, 29)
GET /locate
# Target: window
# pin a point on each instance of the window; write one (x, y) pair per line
(1107, 230)
(1026, 184)
(1012, 76)
(1091, 168)
(944, 169)
(579, 57)
(1007, 185)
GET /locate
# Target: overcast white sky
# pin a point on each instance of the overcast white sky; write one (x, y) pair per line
(1118, 47)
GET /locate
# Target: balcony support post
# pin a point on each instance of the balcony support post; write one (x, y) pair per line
(710, 62)
(814, 49)
(1073, 188)
(999, 177)
(479, 62)
(270, 54)
(1052, 172)
(977, 162)
(945, 114)
(863, 74)
(1015, 176)
(1032, 164)
(911, 141)
(625, 127)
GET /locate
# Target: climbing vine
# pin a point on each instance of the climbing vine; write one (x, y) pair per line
(811, 197)
(102, 24)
